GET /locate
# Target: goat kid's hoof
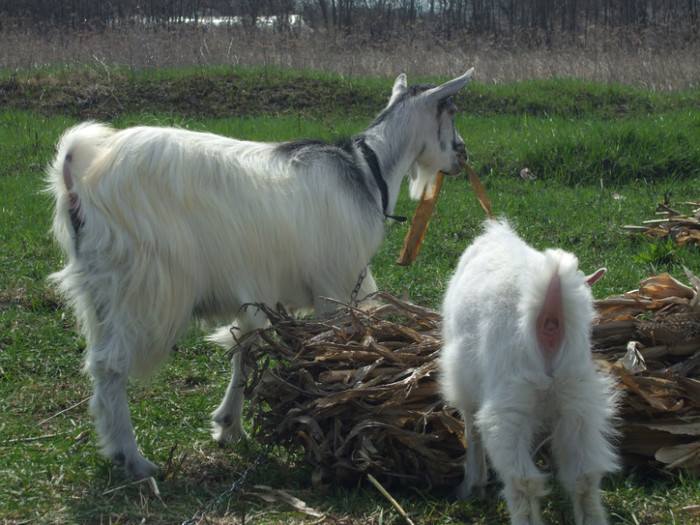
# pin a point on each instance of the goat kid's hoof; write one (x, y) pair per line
(466, 492)
(137, 467)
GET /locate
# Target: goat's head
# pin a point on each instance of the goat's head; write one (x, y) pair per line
(438, 144)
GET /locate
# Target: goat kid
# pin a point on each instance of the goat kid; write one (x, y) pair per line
(517, 362)
(162, 226)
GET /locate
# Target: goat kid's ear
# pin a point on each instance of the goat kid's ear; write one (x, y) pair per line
(399, 87)
(436, 94)
(593, 278)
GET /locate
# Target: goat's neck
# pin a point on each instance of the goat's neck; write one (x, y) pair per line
(396, 153)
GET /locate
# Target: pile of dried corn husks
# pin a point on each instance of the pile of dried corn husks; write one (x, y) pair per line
(357, 390)
(682, 227)
(650, 338)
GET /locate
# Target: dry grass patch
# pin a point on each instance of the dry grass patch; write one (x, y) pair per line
(419, 54)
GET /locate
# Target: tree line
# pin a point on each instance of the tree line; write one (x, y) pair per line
(542, 21)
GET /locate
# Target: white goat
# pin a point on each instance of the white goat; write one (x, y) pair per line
(162, 226)
(516, 363)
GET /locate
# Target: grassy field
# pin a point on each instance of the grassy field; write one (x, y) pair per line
(604, 155)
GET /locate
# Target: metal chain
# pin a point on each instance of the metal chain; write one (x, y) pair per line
(233, 489)
(356, 290)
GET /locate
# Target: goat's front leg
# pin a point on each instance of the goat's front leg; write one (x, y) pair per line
(507, 431)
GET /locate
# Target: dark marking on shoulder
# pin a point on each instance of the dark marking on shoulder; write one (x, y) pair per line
(294, 146)
(346, 144)
(344, 158)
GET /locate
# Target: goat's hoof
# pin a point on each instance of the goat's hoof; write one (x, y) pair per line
(137, 467)
(223, 434)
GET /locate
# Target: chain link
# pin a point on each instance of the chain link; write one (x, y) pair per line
(356, 290)
(233, 489)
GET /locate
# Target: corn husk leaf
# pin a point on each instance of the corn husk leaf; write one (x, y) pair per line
(419, 222)
(275, 496)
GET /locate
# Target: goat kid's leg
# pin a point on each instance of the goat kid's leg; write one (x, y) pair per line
(582, 454)
(523, 496)
(580, 475)
(227, 419)
(588, 507)
(113, 422)
(507, 433)
(475, 468)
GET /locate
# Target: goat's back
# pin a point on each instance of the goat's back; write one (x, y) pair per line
(242, 208)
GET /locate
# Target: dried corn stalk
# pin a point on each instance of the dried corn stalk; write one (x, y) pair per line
(683, 228)
(357, 390)
(650, 338)
(419, 223)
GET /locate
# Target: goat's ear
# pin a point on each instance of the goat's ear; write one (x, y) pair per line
(399, 87)
(436, 94)
(593, 278)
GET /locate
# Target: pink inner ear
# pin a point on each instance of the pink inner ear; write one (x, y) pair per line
(593, 278)
(550, 322)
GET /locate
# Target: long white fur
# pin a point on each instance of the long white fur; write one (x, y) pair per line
(177, 225)
(493, 371)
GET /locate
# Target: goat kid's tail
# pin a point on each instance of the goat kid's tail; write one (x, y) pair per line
(559, 301)
(77, 149)
(544, 301)
(549, 326)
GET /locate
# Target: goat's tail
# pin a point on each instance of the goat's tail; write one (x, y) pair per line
(76, 151)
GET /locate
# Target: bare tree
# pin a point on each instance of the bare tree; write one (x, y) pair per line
(535, 21)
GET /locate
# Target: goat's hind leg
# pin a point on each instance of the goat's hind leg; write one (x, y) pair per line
(110, 410)
(227, 419)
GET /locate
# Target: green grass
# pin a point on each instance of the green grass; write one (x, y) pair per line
(599, 166)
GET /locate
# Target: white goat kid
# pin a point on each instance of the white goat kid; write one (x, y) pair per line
(162, 226)
(516, 363)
